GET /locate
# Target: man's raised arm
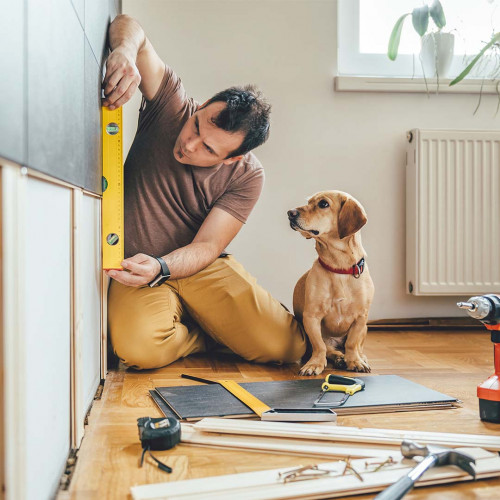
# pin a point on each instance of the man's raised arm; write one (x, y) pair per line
(132, 63)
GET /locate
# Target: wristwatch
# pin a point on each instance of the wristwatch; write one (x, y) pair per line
(163, 275)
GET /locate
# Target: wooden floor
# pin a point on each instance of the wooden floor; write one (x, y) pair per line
(451, 362)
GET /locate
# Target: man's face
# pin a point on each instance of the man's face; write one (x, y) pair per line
(202, 143)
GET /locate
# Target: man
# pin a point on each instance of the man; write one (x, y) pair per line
(190, 184)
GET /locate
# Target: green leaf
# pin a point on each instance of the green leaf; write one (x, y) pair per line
(392, 50)
(420, 19)
(437, 13)
(466, 71)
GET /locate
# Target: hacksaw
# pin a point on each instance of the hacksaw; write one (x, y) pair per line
(264, 411)
(112, 189)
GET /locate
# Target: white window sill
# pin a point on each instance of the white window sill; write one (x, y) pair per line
(417, 85)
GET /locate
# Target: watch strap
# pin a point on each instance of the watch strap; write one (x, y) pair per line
(163, 275)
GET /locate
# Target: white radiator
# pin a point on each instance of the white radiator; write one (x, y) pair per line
(453, 212)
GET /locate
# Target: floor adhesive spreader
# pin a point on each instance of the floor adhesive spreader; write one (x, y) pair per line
(486, 308)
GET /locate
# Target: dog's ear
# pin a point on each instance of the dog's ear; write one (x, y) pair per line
(352, 218)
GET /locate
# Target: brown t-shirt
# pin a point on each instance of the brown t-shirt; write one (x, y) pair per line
(166, 201)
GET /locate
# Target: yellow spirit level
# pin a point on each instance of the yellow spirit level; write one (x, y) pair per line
(112, 189)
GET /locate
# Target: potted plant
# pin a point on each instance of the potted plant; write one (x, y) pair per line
(490, 48)
(436, 53)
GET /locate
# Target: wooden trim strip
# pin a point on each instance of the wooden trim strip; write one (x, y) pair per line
(343, 434)
(267, 485)
(287, 446)
(14, 180)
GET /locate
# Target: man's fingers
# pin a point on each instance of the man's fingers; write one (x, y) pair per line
(125, 97)
(139, 258)
(117, 92)
(122, 93)
(111, 81)
(126, 278)
(135, 267)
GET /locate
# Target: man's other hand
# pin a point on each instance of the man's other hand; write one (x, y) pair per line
(139, 270)
(122, 78)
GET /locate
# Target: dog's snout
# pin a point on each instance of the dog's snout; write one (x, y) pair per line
(293, 214)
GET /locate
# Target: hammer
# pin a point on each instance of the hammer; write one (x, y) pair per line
(433, 456)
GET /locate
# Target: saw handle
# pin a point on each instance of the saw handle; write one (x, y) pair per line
(338, 383)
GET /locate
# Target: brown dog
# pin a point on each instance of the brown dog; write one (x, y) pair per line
(333, 298)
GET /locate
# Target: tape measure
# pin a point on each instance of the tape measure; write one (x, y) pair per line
(112, 189)
(158, 434)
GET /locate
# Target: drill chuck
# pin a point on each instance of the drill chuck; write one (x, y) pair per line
(485, 308)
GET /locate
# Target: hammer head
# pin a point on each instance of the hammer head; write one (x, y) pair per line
(442, 456)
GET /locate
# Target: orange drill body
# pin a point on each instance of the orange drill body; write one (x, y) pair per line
(486, 308)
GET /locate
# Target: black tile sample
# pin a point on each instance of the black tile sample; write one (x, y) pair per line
(198, 401)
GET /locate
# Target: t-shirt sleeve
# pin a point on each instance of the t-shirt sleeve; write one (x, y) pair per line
(168, 103)
(242, 194)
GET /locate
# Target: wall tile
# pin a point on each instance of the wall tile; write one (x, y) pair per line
(79, 6)
(55, 90)
(97, 19)
(92, 114)
(12, 130)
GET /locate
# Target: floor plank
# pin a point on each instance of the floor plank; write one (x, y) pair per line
(451, 362)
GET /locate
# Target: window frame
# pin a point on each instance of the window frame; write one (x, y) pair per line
(350, 59)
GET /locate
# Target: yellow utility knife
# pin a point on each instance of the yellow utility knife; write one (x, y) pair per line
(338, 383)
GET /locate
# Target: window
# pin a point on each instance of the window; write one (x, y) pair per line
(364, 28)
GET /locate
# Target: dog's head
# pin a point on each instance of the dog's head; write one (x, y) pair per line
(334, 213)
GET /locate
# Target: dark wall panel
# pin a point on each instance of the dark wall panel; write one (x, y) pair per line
(55, 90)
(79, 6)
(12, 137)
(92, 113)
(97, 15)
(51, 68)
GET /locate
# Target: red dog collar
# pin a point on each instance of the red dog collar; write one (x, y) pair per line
(355, 270)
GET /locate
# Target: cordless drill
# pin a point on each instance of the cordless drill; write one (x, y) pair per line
(486, 308)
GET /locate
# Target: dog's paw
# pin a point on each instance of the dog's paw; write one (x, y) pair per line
(358, 365)
(314, 366)
(339, 363)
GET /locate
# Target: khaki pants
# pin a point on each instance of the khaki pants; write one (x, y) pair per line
(153, 327)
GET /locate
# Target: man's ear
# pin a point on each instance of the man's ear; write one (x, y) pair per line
(234, 159)
(352, 218)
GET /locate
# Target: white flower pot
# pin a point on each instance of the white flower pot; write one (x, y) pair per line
(436, 54)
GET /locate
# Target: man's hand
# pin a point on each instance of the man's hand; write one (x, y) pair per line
(122, 78)
(139, 270)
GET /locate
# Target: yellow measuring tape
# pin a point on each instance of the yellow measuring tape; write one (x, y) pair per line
(112, 189)
(245, 397)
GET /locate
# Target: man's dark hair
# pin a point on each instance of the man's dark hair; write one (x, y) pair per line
(246, 111)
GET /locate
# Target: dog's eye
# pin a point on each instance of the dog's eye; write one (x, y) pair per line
(323, 204)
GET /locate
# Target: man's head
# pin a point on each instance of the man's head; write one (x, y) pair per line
(227, 126)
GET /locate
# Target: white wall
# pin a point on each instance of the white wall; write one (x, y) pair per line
(320, 139)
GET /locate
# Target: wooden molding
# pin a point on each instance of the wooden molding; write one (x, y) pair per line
(14, 180)
(337, 482)
(343, 434)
